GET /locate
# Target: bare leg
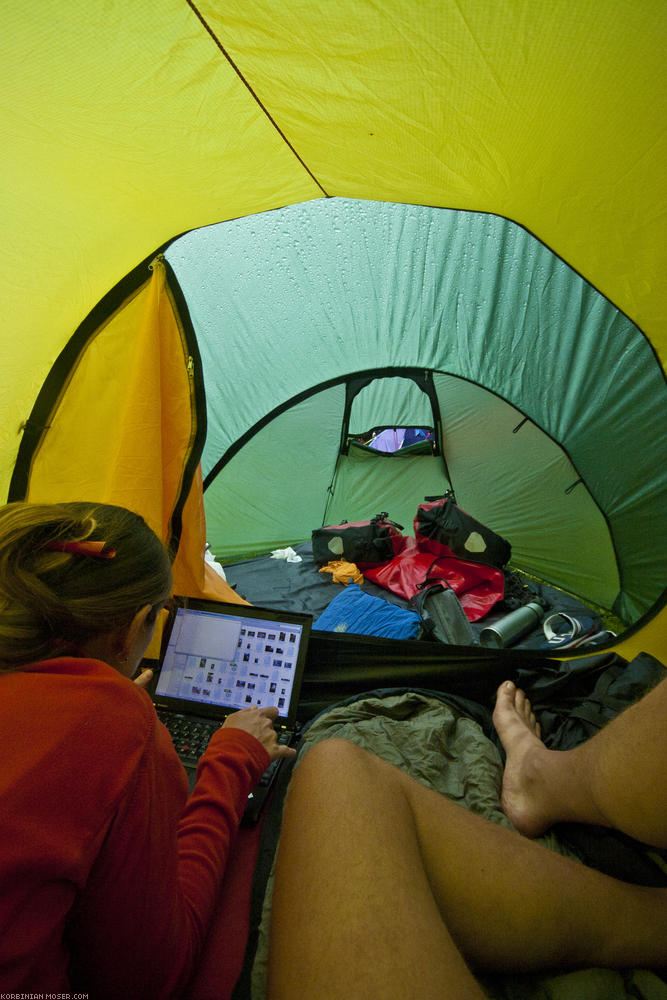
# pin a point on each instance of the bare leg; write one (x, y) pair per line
(383, 885)
(616, 779)
(353, 915)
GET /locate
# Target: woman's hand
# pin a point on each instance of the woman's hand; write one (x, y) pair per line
(144, 678)
(259, 723)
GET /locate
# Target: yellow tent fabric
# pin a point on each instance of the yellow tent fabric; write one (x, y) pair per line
(125, 426)
(123, 125)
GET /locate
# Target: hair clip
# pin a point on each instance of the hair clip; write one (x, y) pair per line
(95, 549)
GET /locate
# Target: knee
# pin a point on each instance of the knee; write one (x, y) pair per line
(326, 769)
(333, 761)
(330, 778)
(333, 755)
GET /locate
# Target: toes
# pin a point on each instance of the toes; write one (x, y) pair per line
(508, 696)
(506, 690)
(520, 702)
(524, 707)
(534, 725)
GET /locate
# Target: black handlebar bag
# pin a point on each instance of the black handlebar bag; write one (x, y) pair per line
(445, 530)
(365, 543)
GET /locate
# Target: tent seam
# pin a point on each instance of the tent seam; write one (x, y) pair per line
(200, 17)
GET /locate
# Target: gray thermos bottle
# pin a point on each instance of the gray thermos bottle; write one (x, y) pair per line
(512, 626)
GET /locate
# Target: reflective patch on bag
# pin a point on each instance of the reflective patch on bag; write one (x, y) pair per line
(335, 545)
(474, 542)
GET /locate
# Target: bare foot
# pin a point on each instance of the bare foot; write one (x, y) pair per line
(522, 798)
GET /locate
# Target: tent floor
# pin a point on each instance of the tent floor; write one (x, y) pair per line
(275, 583)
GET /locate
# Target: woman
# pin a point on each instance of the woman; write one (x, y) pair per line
(108, 872)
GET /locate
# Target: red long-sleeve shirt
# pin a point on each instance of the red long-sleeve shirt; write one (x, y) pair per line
(104, 861)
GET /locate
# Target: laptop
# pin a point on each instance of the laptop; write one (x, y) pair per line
(218, 658)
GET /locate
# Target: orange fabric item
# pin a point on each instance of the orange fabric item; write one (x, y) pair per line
(192, 574)
(343, 572)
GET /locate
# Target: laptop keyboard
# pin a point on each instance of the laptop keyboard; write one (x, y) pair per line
(189, 736)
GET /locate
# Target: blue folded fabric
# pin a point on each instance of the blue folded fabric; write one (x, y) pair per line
(352, 610)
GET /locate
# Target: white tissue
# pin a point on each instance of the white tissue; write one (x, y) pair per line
(213, 563)
(288, 554)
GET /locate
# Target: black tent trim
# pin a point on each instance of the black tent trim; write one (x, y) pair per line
(198, 403)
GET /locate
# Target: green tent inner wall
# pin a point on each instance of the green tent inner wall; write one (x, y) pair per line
(545, 389)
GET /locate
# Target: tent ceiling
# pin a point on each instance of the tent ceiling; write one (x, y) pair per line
(124, 125)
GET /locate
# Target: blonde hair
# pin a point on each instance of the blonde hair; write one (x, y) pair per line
(51, 601)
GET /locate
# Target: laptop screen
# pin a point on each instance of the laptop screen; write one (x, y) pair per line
(227, 657)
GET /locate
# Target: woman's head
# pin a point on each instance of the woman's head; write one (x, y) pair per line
(54, 602)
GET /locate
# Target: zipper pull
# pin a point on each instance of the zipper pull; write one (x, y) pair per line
(191, 367)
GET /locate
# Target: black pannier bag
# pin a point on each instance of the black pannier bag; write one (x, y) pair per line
(365, 543)
(444, 529)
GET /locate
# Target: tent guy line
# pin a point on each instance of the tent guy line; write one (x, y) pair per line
(254, 94)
